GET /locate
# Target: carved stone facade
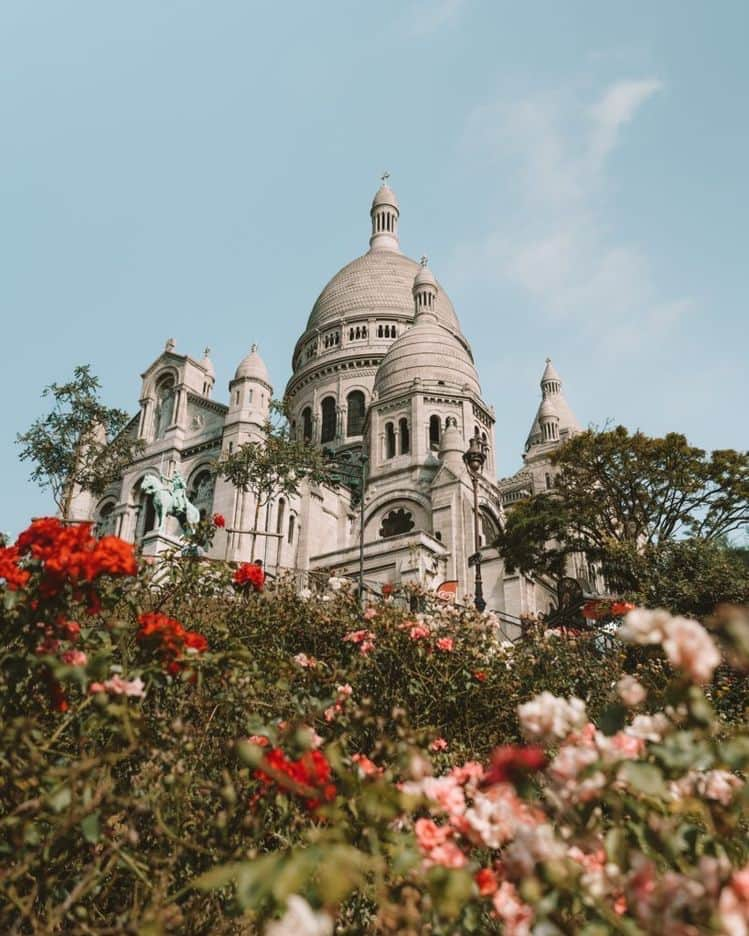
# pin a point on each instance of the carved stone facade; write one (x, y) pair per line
(382, 370)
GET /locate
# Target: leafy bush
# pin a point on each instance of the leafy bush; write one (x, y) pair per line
(182, 753)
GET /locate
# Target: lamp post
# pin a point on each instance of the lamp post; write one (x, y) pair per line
(474, 459)
(355, 474)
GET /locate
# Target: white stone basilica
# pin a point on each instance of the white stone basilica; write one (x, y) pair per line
(382, 368)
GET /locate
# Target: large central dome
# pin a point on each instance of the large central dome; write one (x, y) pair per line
(378, 283)
(364, 309)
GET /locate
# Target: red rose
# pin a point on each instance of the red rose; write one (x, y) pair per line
(68, 555)
(251, 575)
(218, 520)
(511, 763)
(480, 675)
(486, 881)
(169, 639)
(311, 771)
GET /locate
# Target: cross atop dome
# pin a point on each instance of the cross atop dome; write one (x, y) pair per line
(384, 177)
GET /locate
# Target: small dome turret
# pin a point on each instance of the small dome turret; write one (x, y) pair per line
(554, 420)
(551, 382)
(546, 410)
(384, 213)
(253, 367)
(425, 291)
(427, 352)
(452, 446)
(207, 364)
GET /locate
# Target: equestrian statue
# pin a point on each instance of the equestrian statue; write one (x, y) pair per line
(170, 500)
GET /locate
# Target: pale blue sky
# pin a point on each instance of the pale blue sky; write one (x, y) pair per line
(576, 172)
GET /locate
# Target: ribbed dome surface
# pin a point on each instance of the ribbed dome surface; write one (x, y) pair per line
(379, 283)
(427, 351)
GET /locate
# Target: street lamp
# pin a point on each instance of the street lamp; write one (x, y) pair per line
(474, 459)
(354, 473)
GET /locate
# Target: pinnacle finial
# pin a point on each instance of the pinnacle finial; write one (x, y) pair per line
(170, 345)
(548, 360)
(384, 177)
(207, 352)
(253, 347)
(424, 260)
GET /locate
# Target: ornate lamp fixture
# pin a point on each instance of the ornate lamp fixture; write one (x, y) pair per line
(475, 459)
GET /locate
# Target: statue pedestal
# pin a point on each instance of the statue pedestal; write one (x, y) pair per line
(155, 543)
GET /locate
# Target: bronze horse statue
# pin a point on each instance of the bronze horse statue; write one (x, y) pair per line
(170, 500)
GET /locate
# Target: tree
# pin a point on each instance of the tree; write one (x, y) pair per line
(80, 443)
(690, 576)
(625, 501)
(274, 466)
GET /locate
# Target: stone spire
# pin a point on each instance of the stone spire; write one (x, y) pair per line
(384, 214)
(551, 382)
(554, 420)
(425, 291)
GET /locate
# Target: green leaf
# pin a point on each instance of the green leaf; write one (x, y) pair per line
(616, 846)
(613, 719)
(644, 778)
(250, 754)
(60, 799)
(735, 752)
(699, 708)
(218, 877)
(90, 826)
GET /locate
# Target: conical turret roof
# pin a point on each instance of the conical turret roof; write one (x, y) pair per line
(553, 403)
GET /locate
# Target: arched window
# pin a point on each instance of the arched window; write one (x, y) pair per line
(307, 424)
(396, 522)
(389, 440)
(356, 411)
(405, 436)
(327, 430)
(146, 513)
(105, 519)
(200, 492)
(292, 524)
(489, 528)
(280, 516)
(434, 432)
(165, 396)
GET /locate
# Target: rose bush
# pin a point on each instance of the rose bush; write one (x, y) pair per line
(180, 755)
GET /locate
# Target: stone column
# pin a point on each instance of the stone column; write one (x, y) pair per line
(419, 429)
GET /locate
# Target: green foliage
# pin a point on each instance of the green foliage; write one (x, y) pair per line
(689, 576)
(81, 442)
(146, 814)
(628, 502)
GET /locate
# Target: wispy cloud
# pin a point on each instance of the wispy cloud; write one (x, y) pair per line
(558, 245)
(617, 107)
(427, 16)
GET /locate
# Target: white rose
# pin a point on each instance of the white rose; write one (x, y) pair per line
(550, 718)
(300, 920)
(644, 627)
